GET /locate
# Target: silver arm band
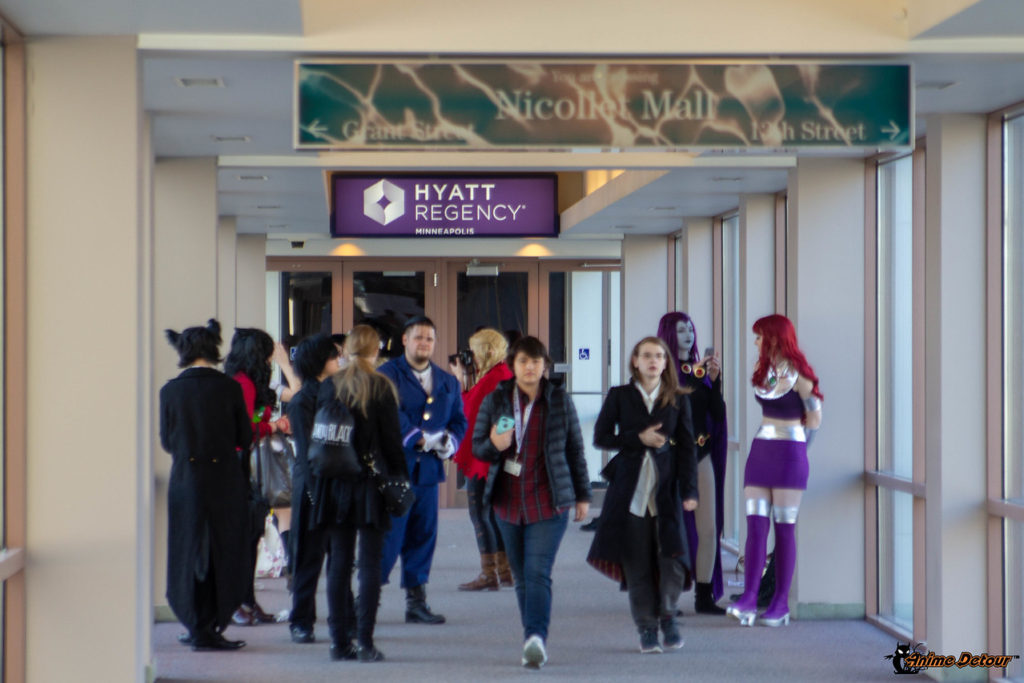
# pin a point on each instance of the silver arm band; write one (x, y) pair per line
(812, 403)
(810, 436)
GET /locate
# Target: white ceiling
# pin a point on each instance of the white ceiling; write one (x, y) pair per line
(255, 103)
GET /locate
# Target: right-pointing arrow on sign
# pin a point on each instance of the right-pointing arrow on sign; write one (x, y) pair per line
(892, 129)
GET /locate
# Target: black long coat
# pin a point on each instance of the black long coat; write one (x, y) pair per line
(676, 464)
(203, 423)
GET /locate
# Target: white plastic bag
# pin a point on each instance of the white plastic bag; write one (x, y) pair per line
(270, 560)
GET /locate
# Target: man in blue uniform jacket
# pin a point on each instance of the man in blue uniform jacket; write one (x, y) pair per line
(430, 414)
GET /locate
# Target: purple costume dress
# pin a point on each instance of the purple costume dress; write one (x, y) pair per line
(778, 455)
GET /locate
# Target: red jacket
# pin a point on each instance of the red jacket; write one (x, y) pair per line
(261, 426)
(470, 465)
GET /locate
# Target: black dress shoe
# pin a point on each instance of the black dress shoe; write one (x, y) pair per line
(185, 638)
(343, 651)
(301, 634)
(370, 654)
(214, 641)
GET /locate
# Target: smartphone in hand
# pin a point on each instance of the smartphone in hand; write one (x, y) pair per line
(504, 424)
(709, 352)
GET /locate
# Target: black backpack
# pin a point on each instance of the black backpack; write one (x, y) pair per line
(331, 453)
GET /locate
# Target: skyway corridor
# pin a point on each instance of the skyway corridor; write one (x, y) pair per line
(592, 636)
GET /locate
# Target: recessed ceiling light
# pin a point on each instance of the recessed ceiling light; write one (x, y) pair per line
(935, 85)
(253, 177)
(231, 138)
(268, 206)
(199, 82)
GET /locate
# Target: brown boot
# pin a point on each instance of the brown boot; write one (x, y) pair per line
(488, 579)
(504, 571)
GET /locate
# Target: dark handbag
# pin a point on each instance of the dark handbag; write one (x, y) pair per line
(270, 468)
(331, 453)
(395, 490)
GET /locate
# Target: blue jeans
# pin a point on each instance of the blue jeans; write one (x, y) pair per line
(531, 550)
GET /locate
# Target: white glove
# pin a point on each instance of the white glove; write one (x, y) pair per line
(432, 440)
(446, 448)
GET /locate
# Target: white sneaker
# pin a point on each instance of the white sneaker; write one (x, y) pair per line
(534, 654)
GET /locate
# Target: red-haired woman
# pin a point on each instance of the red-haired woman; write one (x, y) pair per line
(776, 474)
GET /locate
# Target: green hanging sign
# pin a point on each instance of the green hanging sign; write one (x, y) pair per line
(621, 105)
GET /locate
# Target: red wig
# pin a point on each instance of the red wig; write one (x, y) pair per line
(778, 340)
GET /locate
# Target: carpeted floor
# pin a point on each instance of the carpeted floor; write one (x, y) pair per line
(592, 636)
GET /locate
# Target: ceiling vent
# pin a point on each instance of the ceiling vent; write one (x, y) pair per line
(186, 82)
(231, 138)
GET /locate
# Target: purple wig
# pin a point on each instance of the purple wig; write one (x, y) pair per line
(667, 333)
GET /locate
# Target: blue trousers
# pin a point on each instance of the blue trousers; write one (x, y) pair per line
(531, 550)
(413, 537)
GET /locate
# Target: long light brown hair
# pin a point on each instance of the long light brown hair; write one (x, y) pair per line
(489, 347)
(669, 379)
(359, 382)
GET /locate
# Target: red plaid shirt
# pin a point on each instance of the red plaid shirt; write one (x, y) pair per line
(526, 499)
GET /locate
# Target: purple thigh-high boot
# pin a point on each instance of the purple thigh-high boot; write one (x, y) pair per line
(745, 608)
(777, 613)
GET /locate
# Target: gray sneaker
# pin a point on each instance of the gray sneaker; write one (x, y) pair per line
(670, 630)
(534, 654)
(649, 642)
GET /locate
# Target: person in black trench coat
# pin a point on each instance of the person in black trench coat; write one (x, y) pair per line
(203, 424)
(653, 477)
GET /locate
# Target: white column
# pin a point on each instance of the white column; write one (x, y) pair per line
(251, 281)
(86, 281)
(226, 273)
(644, 289)
(185, 294)
(757, 299)
(826, 290)
(699, 272)
(955, 404)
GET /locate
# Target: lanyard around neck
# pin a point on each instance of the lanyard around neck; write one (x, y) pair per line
(522, 418)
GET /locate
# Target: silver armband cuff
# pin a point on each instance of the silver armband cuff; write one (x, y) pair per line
(812, 403)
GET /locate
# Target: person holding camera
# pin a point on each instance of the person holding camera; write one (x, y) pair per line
(488, 347)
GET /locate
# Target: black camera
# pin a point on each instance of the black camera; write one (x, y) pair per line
(463, 358)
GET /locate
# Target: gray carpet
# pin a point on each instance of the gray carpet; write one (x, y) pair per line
(592, 636)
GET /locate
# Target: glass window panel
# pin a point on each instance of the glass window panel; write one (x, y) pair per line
(491, 301)
(896, 557)
(558, 294)
(305, 304)
(895, 317)
(734, 335)
(385, 300)
(1013, 539)
(1013, 308)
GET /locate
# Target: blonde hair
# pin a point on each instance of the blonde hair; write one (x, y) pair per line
(360, 382)
(489, 347)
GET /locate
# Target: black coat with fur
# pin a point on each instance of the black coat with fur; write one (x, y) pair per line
(203, 423)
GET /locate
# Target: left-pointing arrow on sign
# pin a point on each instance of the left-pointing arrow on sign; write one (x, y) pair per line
(318, 129)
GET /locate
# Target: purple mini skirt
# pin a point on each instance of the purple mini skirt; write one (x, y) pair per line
(777, 464)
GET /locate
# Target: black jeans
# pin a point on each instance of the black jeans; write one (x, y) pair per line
(654, 582)
(341, 544)
(309, 548)
(488, 540)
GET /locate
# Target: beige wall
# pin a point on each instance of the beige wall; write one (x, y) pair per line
(955, 467)
(226, 272)
(698, 271)
(251, 281)
(85, 416)
(185, 294)
(644, 289)
(826, 286)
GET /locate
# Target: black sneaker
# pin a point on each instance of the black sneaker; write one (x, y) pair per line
(369, 654)
(649, 642)
(343, 652)
(670, 630)
(301, 634)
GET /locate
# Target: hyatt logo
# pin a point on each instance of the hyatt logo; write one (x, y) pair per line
(386, 211)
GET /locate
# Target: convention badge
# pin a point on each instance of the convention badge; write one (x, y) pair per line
(513, 467)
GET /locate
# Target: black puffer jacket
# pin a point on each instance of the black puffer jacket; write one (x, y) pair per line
(563, 443)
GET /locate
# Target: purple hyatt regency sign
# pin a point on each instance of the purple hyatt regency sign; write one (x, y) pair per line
(454, 205)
